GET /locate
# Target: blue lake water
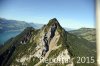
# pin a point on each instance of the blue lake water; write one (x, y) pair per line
(7, 35)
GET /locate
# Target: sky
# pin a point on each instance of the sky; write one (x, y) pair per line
(69, 13)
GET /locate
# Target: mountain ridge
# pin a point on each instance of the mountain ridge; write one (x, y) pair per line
(43, 43)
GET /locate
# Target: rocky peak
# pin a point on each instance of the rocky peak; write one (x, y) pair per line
(53, 21)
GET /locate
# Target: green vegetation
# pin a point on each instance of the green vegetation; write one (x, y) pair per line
(82, 48)
(19, 48)
(15, 41)
(55, 53)
(33, 61)
(43, 64)
(87, 33)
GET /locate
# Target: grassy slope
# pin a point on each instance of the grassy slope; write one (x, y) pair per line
(87, 33)
(22, 50)
(14, 42)
(81, 47)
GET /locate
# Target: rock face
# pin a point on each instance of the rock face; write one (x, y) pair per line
(49, 46)
(50, 39)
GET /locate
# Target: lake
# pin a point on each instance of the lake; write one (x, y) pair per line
(7, 35)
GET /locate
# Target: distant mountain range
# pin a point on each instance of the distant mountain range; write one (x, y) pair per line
(12, 25)
(35, 25)
(11, 28)
(69, 29)
(15, 25)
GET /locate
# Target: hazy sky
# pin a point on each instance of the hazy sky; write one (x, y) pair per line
(70, 13)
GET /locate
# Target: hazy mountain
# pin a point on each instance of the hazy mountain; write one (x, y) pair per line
(69, 29)
(35, 47)
(12, 25)
(36, 26)
(87, 33)
(15, 25)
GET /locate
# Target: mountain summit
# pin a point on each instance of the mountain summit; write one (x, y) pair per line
(49, 46)
(52, 21)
